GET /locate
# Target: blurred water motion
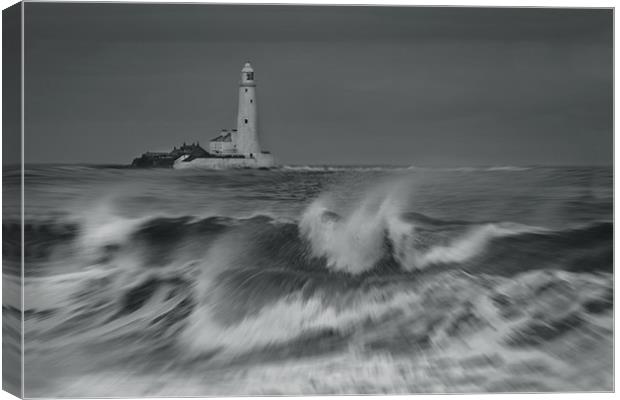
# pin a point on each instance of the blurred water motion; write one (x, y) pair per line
(309, 280)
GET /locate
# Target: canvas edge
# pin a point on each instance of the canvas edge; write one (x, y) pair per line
(12, 153)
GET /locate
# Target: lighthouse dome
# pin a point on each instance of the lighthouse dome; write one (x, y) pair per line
(247, 75)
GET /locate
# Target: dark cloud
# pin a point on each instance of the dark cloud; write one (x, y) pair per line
(105, 82)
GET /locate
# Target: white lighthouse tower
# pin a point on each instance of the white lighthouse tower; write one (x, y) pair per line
(247, 116)
(236, 148)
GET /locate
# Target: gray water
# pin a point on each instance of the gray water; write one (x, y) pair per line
(304, 280)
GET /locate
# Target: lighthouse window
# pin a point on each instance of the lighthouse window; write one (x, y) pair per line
(246, 90)
(251, 101)
(249, 76)
(246, 120)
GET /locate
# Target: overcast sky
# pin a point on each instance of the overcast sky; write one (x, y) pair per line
(336, 85)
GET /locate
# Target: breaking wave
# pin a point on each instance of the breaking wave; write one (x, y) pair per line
(360, 279)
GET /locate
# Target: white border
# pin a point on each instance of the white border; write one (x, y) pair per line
(479, 3)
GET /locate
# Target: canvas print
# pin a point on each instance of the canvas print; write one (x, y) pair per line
(222, 200)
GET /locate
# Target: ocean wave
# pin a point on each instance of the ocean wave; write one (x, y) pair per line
(380, 227)
(382, 287)
(371, 281)
(478, 322)
(230, 276)
(375, 235)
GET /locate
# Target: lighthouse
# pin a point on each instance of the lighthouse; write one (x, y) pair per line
(235, 148)
(247, 116)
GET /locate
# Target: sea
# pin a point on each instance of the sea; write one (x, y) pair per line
(311, 280)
